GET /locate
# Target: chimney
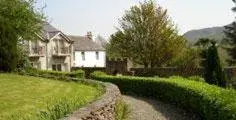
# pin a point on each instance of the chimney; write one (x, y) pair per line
(90, 35)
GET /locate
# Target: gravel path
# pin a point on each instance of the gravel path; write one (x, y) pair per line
(147, 109)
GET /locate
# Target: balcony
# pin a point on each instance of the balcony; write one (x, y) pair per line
(36, 52)
(61, 52)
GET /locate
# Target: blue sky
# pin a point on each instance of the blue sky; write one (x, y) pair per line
(76, 17)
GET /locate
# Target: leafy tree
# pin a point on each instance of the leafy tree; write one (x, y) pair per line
(188, 59)
(101, 40)
(146, 36)
(22, 56)
(18, 20)
(214, 71)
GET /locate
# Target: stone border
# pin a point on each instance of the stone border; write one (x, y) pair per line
(103, 108)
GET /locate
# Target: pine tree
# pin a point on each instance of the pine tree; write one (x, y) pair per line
(230, 39)
(214, 71)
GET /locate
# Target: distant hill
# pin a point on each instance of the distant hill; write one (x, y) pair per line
(213, 33)
(216, 33)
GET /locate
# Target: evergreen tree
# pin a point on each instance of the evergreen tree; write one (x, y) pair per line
(214, 71)
(230, 39)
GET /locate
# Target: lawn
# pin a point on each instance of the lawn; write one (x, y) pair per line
(24, 97)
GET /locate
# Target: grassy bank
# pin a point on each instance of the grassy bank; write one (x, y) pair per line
(24, 97)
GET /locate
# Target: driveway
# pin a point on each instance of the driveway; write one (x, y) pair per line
(148, 109)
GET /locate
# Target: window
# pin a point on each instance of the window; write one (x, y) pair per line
(97, 55)
(83, 55)
(56, 67)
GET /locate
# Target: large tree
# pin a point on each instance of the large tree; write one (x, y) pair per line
(230, 40)
(18, 20)
(147, 36)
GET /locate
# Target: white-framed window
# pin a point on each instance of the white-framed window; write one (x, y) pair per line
(97, 55)
(83, 56)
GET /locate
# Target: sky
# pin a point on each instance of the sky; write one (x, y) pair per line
(77, 17)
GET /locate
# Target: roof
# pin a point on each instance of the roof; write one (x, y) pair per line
(83, 43)
(49, 31)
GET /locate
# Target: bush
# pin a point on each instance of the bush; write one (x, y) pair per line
(208, 101)
(78, 74)
(53, 74)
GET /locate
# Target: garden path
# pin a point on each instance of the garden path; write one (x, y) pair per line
(148, 109)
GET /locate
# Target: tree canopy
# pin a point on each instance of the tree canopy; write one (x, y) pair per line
(18, 20)
(230, 40)
(146, 36)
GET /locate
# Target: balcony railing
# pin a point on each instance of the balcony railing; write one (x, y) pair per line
(37, 51)
(63, 51)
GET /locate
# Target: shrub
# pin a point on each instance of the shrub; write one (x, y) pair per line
(78, 74)
(208, 101)
(53, 74)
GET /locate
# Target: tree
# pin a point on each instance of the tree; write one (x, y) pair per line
(22, 56)
(214, 71)
(230, 40)
(18, 20)
(203, 44)
(101, 40)
(146, 36)
(188, 59)
(234, 8)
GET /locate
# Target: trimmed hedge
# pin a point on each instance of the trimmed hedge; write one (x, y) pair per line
(208, 101)
(54, 74)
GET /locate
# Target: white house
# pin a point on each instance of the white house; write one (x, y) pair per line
(88, 53)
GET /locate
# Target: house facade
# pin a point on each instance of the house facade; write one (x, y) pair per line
(87, 53)
(52, 50)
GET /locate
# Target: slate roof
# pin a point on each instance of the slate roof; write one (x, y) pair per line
(48, 32)
(83, 43)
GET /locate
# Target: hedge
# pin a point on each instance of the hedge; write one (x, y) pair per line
(53, 74)
(208, 101)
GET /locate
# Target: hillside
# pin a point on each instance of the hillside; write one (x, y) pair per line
(213, 33)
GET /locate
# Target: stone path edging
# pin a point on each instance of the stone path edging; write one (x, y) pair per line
(101, 109)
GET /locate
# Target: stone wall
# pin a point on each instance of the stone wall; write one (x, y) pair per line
(102, 109)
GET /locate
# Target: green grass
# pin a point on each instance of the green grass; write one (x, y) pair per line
(122, 111)
(24, 97)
